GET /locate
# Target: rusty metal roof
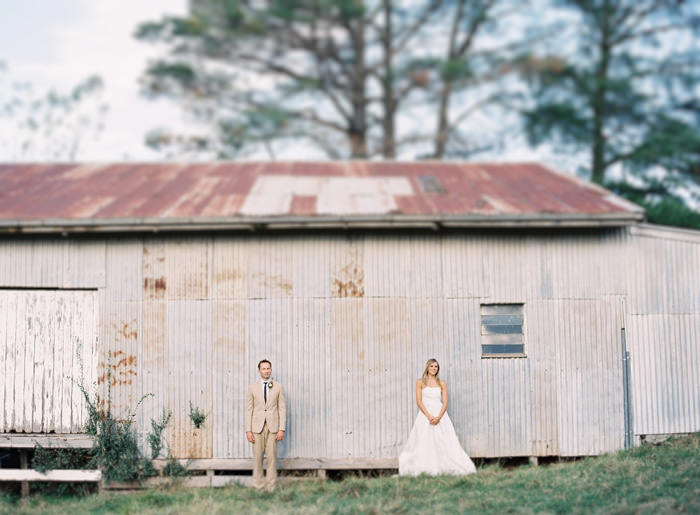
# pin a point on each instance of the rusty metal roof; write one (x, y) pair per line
(141, 196)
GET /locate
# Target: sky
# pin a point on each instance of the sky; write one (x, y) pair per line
(55, 44)
(58, 43)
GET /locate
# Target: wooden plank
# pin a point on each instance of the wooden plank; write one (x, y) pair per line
(23, 462)
(19, 441)
(35, 318)
(286, 463)
(19, 344)
(197, 482)
(50, 475)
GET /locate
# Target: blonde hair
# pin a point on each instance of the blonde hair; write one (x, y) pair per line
(425, 376)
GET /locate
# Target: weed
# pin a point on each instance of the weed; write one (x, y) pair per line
(155, 437)
(173, 468)
(196, 416)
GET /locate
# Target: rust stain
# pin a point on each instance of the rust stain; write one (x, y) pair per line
(350, 281)
(154, 287)
(194, 447)
(276, 282)
(225, 276)
(119, 369)
(126, 330)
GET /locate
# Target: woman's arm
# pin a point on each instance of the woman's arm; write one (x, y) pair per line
(419, 399)
(443, 387)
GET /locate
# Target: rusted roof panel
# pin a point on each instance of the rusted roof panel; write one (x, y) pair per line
(431, 190)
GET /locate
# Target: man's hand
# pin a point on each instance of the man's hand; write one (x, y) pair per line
(250, 437)
(280, 435)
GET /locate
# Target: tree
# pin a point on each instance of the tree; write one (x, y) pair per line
(627, 93)
(339, 74)
(48, 125)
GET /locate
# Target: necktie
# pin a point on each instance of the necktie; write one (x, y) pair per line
(265, 391)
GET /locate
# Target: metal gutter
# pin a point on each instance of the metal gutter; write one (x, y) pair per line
(248, 223)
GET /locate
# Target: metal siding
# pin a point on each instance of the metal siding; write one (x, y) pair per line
(667, 276)
(541, 356)
(587, 343)
(230, 378)
(348, 321)
(52, 263)
(189, 376)
(389, 342)
(347, 417)
(664, 330)
(187, 263)
(303, 363)
(269, 268)
(118, 368)
(461, 263)
(467, 405)
(665, 351)
(153, 368)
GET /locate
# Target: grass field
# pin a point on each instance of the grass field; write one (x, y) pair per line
(661, 478)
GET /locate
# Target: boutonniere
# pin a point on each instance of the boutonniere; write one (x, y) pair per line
(269, 385)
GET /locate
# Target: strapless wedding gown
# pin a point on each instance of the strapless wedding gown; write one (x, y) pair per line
(433, 449)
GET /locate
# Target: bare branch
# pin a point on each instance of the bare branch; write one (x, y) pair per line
(289, 72)
(474, 28)
(404, 36)
(649, 32)
(309, 115)
(466, 113)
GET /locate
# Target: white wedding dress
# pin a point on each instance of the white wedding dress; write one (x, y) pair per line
(433, 449)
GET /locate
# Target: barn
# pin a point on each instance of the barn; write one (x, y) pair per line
(564, 324)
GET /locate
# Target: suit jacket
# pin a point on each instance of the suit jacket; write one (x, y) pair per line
(257, 412)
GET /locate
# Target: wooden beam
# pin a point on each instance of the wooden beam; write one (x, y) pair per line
(24, 464)
(198, 482)
(286, 463)
(51, 475)
(54, 441)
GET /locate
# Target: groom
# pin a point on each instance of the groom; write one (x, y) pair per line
(265, 416)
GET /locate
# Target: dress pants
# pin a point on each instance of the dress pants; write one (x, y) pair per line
(265, 444)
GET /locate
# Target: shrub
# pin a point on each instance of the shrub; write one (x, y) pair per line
(49, 459)
(116, 450)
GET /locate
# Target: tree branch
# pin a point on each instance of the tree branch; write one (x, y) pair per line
(289, 72)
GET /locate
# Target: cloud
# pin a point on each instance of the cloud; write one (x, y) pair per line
(79, 38)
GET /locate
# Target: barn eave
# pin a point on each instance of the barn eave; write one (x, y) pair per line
(253, 223)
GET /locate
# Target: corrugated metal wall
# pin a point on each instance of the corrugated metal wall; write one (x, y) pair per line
(349, 320)
(664, 330)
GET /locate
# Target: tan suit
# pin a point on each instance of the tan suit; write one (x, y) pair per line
(264, 420)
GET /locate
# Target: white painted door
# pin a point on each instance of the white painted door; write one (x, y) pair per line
(48, 341)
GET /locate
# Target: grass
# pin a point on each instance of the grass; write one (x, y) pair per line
(661, 478)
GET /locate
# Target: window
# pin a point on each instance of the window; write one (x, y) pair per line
(502, 331)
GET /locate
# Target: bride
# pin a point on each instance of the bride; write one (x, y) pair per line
(432, 446)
